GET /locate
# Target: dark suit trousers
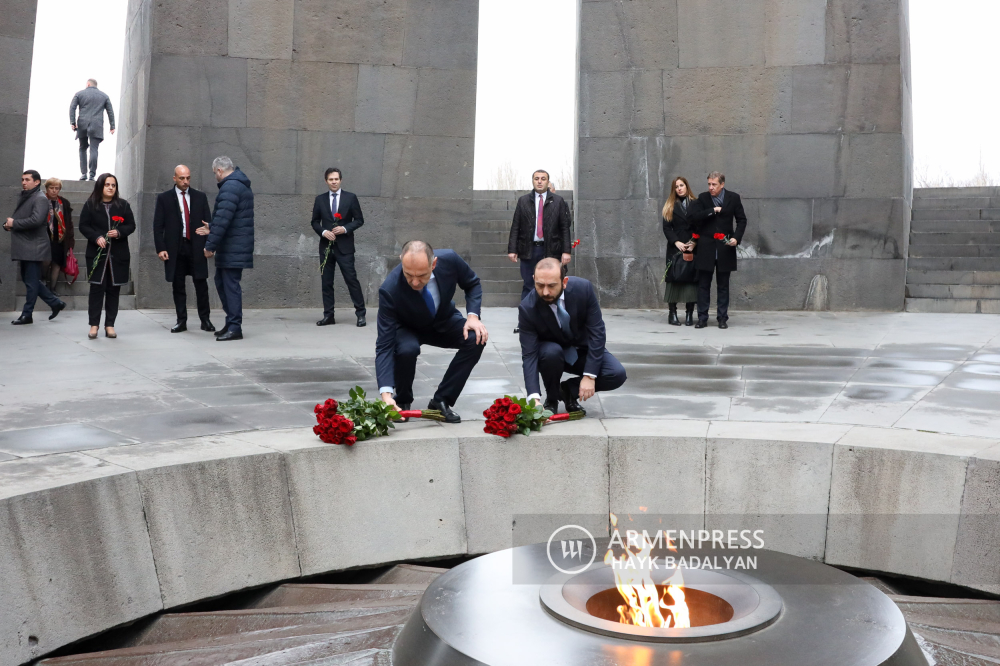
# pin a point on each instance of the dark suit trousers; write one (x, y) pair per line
(227, 282)
(34, 286)
(408, 349)
(346, 262)
(552, 364)
(93, 143)
(185, 267)
(528, 269)
(705, 294)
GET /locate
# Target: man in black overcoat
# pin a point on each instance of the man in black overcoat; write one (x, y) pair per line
(336, 216)
(180, 226)
(720, 222)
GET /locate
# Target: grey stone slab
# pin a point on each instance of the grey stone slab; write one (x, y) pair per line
(873, 98)
(863, 412)
(198, 91)
(621, 103)
(13, 128)
(727, 100)
(797, 374)
(226, 396)
(862, 32)
(272, 416)
(791, 389)
(58, 439)
(791, 409)
(432, 166)
(444, 36)
(785, 226)
(261, 28)
(979, 528)
(653, 374)
(620, 229)
(741, 157)
(266, 156)
(218, 513)
(873, 165)
(72, 537)
(818, 94)
(19, 20)
(446, 103)
(14, 74)
(796, 32)
(366, 32)
(882, 394)
(190, 27)
(174, 424)
(286, 94)
(896, 377)
(386, 99)
(721, 33)
(803, 165)
(619, 405)
(357, 154)
(315, 391)
(652, 356)
(789, 361)
(602, 38)
(861, 228)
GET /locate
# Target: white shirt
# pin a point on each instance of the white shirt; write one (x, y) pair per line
(555, 311)
(180, 202)
(539, 203)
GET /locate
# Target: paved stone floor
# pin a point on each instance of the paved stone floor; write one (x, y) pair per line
(60, 391)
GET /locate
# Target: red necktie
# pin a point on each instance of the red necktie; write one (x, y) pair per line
(187, 216)
(538, 222)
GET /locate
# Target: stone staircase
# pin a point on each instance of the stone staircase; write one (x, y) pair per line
(75, 295)
(954, 254)
(492, 211)
(294, 623)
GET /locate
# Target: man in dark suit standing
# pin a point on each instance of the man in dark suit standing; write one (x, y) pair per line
(541, 228)
(180, 225)
(415, 308)
(336, 215)
(89, 127)
(562, 330)
(713, 216)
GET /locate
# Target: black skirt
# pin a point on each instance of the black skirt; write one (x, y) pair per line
(58, 253)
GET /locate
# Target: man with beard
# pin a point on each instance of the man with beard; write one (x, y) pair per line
(562, 330)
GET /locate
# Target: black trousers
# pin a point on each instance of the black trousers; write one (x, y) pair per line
(408, 349)
(104, 294)
(94, 144)
(528, 269)
(705, 294)
(183, 268)
(34, 286)
(552, 364)
(346, 262)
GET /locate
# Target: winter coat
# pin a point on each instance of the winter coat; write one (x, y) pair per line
(231, 236)
(557, 224)
(92, 103)
(732, 221)
(29, 235)
(680, 228)
(94, 223)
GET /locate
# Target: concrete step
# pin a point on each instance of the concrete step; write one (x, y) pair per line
(491, 225)
(954, 263)
(960, 226)
(502, 286)
(501, 300)
(953, 238)
(497, 206)
(508, 272)
(954, 192)
(479, 261)
(126, 302)
(495, 248)
(491, 215)
(301, 594)
(987, 610)
(952, 277)
(410, 574)
(953, 305)
(982, 251)
(956, 214)
(976, 291)
(481, 237)
(920, 203)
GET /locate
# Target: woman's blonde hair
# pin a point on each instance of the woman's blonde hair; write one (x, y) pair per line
(53, 181)
(668, 208)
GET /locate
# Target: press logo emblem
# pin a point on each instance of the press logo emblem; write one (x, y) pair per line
(574, 542)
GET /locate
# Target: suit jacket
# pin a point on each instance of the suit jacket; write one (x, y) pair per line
(539, 324)
(168, 227)
(92, 103)
(400, 306)
(557, 226)
(322, 220)
(708, 223)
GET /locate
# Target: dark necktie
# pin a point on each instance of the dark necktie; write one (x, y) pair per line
(429, 300)
(570, 353)
(187, 216)
(539, 232)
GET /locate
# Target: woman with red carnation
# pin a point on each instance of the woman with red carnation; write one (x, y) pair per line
(106, 220)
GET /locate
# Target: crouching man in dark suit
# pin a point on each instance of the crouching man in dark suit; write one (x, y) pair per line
(415, 308)
(180, 226)
(562, 330)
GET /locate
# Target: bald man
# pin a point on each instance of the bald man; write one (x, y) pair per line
(180, 226)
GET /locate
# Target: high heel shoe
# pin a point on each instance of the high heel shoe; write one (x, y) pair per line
(92, 335)
(109, 335)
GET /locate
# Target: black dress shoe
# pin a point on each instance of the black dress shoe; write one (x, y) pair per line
(222, 331)
(701, 324)
(179, 327)
(551, 405)
(326, 321)
(230, 335)
(207, 326)
(402, 407)
(723, 324)
(517, 330)
(60, 306)
(569, 390)
(449, 414)
(672, 318)
(361, 321)
(22, 320)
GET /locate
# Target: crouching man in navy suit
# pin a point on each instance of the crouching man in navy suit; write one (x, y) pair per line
(415, 308)
(562, 330)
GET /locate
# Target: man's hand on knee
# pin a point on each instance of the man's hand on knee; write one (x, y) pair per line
(472, 323)
(389, 400)
(586, 388)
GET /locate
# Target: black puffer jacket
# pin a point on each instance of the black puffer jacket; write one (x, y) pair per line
(231, 231)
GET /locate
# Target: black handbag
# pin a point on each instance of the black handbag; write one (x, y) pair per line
(681, 270)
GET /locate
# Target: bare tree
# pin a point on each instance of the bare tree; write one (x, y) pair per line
(506, 177)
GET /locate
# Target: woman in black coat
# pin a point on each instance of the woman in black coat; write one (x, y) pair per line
(679, 229)
(106, 220)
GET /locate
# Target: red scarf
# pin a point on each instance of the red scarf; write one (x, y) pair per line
(58, 210)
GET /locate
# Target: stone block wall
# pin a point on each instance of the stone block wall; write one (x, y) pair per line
(383, 89)
(803, 104)
(17, 36)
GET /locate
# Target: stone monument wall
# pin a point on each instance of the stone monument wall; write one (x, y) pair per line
(383, 89)
(803, 104)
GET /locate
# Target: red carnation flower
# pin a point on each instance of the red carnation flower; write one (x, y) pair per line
(506, 402)
(719, 236)
(695, 236)
(338, 216)
(515, 408)
(117, 219)
(510, 418)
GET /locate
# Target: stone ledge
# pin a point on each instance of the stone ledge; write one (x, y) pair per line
(80, 532)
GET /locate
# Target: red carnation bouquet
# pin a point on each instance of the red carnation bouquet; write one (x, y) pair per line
(337, 217)
(331, 427)
(509, 415)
